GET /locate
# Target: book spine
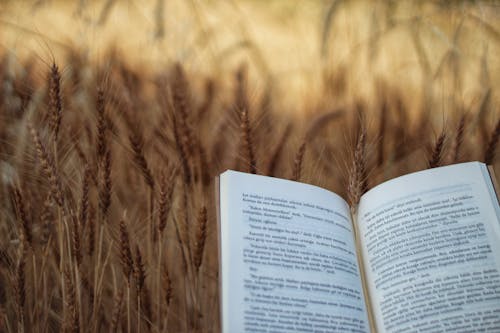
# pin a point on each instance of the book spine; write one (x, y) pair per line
(362, 272)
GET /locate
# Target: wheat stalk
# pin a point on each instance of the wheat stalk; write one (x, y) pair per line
(437, 153)
(137, 146)
(48, 167)
(200, 238)
(20, 288)
(101, 138)
(357, 172)
(140, 277)
(72, 320)
(247, 143)
(22, 216)
(297, 162)
(458, 140)
(55, 100)
(117, 310)
(105, 185)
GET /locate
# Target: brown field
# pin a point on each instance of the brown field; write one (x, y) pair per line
(115, 117)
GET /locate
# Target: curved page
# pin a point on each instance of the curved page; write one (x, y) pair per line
(288, 258)
(431, 247)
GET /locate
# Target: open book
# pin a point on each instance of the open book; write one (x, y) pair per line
(422, 254)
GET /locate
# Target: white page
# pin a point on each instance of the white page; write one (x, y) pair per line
(431, 247)
(288, 261)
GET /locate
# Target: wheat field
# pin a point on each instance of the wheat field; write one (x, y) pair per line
(116, 117)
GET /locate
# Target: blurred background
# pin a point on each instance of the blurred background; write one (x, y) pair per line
(315, 50)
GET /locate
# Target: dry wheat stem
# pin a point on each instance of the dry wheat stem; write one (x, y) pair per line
(116, 313)
(139, 276)
(20, 288)
(72, 321)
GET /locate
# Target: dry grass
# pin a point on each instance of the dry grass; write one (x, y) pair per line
(107, 171)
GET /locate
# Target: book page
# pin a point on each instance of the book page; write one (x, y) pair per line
(288, 258)
(431, 248)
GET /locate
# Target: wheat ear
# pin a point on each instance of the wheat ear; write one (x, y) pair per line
(437, 151)
(297, 162)
(201, 235)
(357, 184)
(458, 140)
